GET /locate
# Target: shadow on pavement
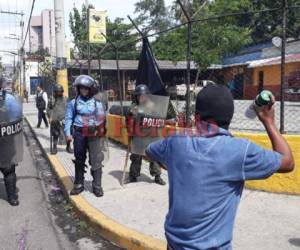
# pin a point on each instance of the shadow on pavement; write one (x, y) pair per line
(3, 195)
(295, 242)
(117, 174)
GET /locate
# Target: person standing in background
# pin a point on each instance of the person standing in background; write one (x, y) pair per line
(25, 95)
(56, 113)
(41, 104)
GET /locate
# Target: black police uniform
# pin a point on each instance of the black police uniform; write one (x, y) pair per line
(56, 112)
(136, 160)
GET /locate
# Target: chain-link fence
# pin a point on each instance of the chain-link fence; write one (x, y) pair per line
(246, 50)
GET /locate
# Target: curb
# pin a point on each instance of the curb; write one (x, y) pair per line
(105, 227)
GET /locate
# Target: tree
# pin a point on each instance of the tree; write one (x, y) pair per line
(211, 40)
(177, 52)
(152, 15)
(264, 25)
(124, 37)
(79, 27)
(46, 72)
(117, 31)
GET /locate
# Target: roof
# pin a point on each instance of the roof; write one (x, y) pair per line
(128, 65)
(260, 55)
(241, 59)
(274, 61)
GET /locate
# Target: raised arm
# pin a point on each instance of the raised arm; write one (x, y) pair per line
(280, 145)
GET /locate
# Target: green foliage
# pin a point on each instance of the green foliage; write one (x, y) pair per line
(264, 25)
(152, 15)
(211, 40)
(46, 71)
(117, 31)
(40, 53)
(121, 34)
(79, 27)
(177, 51)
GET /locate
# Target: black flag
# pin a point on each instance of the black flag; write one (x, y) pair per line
(148, 72)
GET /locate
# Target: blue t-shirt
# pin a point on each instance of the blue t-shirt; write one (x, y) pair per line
(206, 180)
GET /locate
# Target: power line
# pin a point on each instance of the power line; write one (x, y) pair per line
(11, 12)
(28, 25)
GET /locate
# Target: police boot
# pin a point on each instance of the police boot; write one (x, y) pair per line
(10, 180)
(69, 149)
(54, 146)
(132, 179)
(97, 179)
(79, 178)
(158, 180)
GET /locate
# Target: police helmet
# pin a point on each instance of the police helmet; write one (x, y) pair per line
(141, 89)
(58, 88)
(85, 81)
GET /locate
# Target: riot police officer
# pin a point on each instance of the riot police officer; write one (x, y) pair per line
(56, 113)
(85, 123)
(136, 160)
(11, 140)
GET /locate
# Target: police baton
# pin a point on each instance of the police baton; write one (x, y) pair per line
(51, 139)
(126, 161)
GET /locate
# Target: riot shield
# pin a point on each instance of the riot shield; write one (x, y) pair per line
(102, 97)
(94, 125)
(11, 130)
(149, 119)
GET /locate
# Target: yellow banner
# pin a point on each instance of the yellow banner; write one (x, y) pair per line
(97, 25)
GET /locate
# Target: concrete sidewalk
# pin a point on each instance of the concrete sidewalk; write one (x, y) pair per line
(264, 221)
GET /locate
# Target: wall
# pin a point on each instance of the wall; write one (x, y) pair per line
(272, 79)
(31, 71)
(272, 73)
(35, 28)
(278, 183)
(48, 25)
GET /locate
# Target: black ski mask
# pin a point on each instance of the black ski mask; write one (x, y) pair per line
(215, 104)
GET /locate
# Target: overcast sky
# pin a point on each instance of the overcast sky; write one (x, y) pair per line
(9, 24)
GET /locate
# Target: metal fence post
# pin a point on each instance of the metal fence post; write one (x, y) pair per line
(188, 61)
(283, 49)
(118, 71)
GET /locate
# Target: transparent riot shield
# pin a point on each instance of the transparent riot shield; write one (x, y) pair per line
(149, 120)
(102, 97)
(11, 129)
(94, 126)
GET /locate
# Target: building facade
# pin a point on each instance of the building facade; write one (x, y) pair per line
(258, 67)
(42, 32)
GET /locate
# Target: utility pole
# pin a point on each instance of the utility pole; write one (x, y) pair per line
(22, 60)
(89, 45)
(61, 61)
(283, 69)
(188, 61)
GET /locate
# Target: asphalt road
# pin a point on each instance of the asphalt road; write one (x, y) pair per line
(45, 219)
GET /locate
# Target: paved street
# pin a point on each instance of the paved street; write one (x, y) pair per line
(44, 220)
(264, 221)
